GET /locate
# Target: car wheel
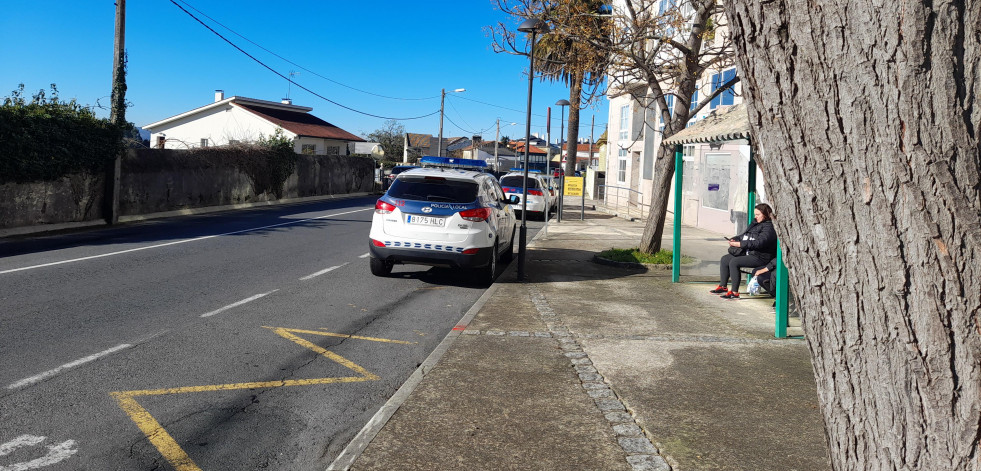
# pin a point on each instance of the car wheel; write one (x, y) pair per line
(486, 274)
(508, 254)
(380, 267)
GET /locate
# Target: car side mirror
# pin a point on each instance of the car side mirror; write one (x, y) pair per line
(513, 199)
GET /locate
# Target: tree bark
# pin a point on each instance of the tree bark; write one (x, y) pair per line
(650, 242)
(868, 115)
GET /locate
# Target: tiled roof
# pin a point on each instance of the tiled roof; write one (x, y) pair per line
(520, 149)
(419, 140)
(300, 123)
(581, 147)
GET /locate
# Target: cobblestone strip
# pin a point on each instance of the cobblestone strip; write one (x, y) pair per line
(642, 455)
(660, 338)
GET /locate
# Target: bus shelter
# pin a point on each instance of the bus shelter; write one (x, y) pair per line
(716, 192)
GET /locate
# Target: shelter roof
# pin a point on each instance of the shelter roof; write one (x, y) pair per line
(729, 124)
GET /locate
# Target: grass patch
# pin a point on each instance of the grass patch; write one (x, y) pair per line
(662, 257)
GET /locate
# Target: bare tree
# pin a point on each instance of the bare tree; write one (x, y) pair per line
(869, 114)
(661, 49)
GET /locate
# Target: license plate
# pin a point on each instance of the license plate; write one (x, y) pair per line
(425, 220)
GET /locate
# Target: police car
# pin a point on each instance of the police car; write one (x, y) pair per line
(448, 213)
(541, 194)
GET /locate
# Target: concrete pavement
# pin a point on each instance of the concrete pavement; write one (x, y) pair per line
(597, 367)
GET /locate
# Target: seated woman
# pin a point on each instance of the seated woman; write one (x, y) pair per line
(754, 247)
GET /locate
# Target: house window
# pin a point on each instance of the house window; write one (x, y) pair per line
(334, 150)
(204, 142)
(624, 122)
(669, 103)
(718, 80)
(694, 101)
(622, 166)
(161, 140)
(308, 149)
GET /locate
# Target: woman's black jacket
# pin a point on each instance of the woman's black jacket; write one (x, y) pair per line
(759, 239)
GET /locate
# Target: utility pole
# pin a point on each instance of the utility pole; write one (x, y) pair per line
(439, 145)
(497, 140)
(592, 129)
(117, 113)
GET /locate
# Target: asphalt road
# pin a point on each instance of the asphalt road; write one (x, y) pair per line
(253, 339)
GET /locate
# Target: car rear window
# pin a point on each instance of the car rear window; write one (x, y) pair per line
(424, 188)
(515, 181)
(398, 170)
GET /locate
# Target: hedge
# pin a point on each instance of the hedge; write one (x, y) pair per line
(46, 141)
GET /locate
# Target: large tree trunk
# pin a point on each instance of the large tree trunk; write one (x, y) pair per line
(868, 115)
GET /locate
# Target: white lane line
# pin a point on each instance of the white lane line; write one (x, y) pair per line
(178, 242)
(321, 272)
(364, 256)
(81, 361)
(236, 304)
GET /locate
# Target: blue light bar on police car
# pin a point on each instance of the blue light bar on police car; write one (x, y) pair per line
(451, 162)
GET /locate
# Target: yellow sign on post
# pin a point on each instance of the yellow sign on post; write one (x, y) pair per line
(573, 186)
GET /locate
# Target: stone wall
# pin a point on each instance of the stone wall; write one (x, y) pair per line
(75, 198)
(156, 180)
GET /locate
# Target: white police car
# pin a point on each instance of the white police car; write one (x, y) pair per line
(540, 191)
(447, 215)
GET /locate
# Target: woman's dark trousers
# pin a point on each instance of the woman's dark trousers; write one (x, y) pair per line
(729, 268)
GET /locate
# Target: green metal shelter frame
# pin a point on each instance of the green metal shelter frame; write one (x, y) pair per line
(731, 124)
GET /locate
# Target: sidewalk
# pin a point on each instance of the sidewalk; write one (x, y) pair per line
(593, 367)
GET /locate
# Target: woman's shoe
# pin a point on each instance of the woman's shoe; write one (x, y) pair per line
(719, 289)
(730, 295)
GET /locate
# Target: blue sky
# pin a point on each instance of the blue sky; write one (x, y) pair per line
(401, 49)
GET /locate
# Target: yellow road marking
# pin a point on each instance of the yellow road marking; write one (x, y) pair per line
(155, 432)
(331, 334)
(176, 455)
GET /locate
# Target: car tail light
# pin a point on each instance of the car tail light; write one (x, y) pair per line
(476, 214)
(382, 207)
(377, 243)
(470, 252)
(535, 192)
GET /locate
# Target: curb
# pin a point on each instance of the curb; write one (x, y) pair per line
(360, 442)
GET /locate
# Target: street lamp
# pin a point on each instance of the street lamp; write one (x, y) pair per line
(533, 26)
(563, 103)
(442, 98)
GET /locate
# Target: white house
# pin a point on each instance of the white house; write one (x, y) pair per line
(240, 119)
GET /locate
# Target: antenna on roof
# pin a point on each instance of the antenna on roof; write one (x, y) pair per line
(289, 84)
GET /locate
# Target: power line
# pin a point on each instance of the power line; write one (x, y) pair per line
(298, 65)
(290, 80)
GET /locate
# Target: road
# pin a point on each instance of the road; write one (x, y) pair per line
(252, 339)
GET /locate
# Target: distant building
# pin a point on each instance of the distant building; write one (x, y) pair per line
(241, 120)
(418, 145)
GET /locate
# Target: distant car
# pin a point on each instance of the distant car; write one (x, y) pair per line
(558, 172)
(396, 170)
(443, 217)
(541, 194)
